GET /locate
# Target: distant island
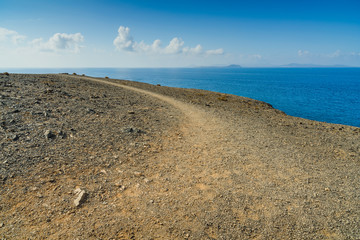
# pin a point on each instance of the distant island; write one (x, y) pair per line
(227, 66)
(299, 65)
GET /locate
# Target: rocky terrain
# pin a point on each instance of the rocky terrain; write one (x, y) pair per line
(87, 158)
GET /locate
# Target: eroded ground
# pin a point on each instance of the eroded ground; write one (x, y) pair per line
(168, 163)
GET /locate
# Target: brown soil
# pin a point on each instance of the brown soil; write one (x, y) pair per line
(168, 163)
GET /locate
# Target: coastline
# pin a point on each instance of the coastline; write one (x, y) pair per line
(168, 162)
(312, 93)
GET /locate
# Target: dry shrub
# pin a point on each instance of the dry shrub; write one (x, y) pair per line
(223, 98)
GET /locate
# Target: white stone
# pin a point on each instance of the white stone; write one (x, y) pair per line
(80, 196)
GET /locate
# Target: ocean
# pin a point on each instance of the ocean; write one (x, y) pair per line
(323, 94)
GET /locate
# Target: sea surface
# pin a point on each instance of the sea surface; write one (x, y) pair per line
(323, 94)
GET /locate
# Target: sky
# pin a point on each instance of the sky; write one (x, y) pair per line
(182, 33)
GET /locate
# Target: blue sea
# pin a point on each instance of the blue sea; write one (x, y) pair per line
(323, 94)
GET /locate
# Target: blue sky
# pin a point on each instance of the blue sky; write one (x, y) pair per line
(143, 33)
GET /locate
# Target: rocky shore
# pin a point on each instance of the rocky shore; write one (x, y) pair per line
(88, 158)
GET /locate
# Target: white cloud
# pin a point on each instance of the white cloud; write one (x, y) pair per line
(196, 50)
(175, 46)
(255, 56)
(59, 42)
(335, 54)
(125, 42)
(302, 53)
(155, 47)
(355, 54)
(6, 34)
(219, 51)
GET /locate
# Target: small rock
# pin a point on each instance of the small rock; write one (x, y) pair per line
(15, 111)
(14, 137)
(133, 130)
(146, 180)
(89, 110)
(138, 174)
(49, 134)
(80, 196)
(46, 113)
(48, 90)
(1, 225)
(327, 189)
(131, 112)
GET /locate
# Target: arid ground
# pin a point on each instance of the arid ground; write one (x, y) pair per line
(87, 158)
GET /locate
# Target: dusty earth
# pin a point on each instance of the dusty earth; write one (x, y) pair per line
(156, 162)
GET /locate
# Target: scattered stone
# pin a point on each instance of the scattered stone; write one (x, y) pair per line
(62, 134)
(81, 196)
(89, 110)
(121, 187)
(46, 113)
(49, 134)
(132, 130)
(15, 111)
(138, 174)
(146, 180)
(1, 225)
(14, 137)
(131, 112)
(49, 90)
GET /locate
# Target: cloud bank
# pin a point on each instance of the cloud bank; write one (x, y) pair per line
(6, 34)
(59, 42)
(125, 42)
(302, 53)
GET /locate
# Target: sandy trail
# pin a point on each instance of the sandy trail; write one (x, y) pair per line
(200, 167)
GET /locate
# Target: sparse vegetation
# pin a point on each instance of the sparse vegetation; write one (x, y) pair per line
(223, 98)
(106, 77)
(6, 73)
(74, 74)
